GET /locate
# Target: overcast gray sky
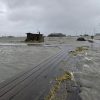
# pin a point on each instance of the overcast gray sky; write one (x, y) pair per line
(67, 16)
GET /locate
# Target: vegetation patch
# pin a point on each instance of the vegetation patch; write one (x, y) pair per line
(56, 35)
(59, 81)
(79, 50)
(67, 76)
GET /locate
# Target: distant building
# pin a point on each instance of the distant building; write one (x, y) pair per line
(31, 37)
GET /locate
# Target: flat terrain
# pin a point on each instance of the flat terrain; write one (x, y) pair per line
(17, 57)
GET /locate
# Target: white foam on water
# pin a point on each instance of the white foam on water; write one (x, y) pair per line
(85, 53)
(85, 65)
(86, 58)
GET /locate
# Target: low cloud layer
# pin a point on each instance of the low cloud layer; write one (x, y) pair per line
(67, 16)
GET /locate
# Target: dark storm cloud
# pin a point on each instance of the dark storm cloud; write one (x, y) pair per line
(67, 16)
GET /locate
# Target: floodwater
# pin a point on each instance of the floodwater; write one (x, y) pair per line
(86, 70)
(15, 58)
(89, 74)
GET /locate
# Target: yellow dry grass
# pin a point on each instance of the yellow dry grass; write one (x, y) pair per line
(59, 80)
(65, 76)
(79, 50)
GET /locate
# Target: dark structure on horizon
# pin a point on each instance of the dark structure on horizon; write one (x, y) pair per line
(31, 37)
(56, 35)
(81, 39)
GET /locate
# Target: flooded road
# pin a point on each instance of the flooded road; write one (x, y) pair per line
(86, 70)
(16, 58)
(85, 67)
(89, 74)
(35, 82)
